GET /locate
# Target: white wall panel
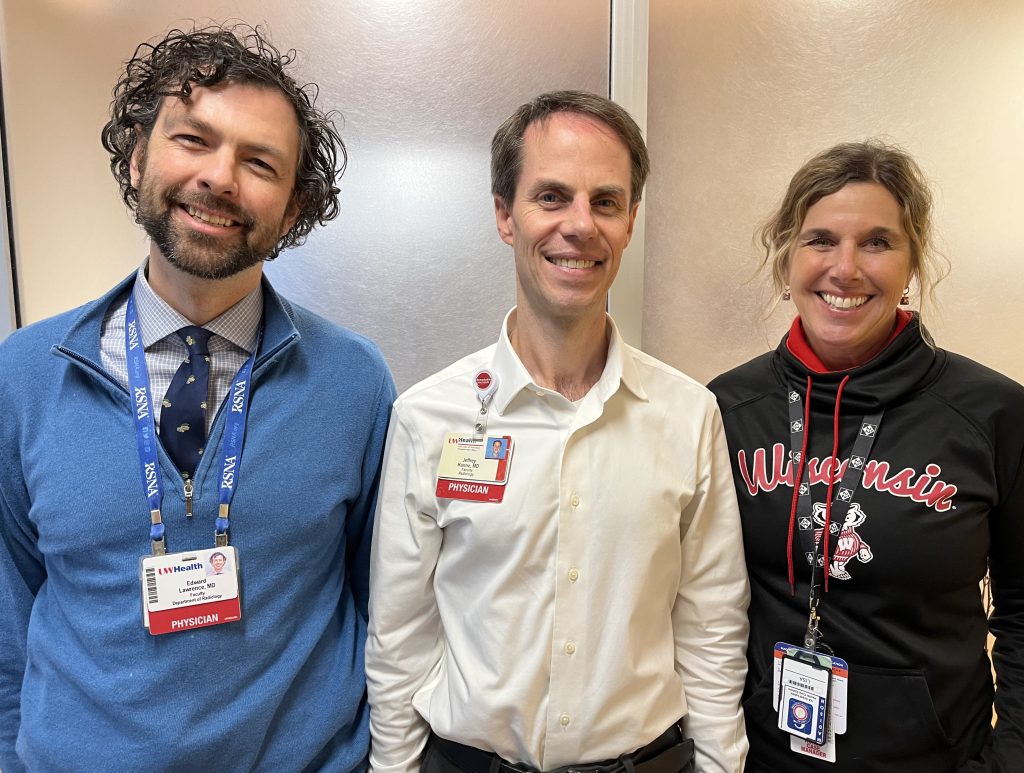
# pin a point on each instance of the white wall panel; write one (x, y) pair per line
(743, 92)
(414, 260)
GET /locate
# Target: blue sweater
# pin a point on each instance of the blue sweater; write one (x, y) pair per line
(83, 686)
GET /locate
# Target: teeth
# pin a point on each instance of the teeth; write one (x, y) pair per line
(573, 263)
(208, 218)
(843, 302)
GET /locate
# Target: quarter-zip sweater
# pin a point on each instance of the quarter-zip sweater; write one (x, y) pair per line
(940, 500)
(83, 686)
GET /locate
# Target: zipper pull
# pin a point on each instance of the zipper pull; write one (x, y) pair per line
(188, 497)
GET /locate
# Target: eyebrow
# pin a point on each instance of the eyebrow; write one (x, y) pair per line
(611, 190)
(202, 127)
(555, 185)
(880, 230)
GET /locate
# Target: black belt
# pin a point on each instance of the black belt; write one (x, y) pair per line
(655, 757)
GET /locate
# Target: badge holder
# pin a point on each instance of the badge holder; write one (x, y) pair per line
(475, 467)
(810, 691)
(182, 591)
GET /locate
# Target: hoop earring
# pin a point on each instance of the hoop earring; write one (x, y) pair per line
(905, 298)
(785, 294)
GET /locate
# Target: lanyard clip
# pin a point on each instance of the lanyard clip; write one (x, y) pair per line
(812, 635)
(480, 426)
(156, 533)
(222, 524)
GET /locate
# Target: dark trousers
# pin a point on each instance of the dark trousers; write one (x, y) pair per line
(668, 753)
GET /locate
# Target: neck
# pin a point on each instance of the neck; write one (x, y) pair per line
(199, 300)
(568, 358)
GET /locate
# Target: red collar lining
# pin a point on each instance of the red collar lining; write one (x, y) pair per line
(801, 349)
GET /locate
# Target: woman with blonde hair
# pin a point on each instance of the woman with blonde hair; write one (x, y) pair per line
(879, 478)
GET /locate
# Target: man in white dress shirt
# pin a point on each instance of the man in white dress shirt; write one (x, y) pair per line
(581, 602)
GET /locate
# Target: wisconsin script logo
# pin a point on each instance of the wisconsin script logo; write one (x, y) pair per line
(762, 473)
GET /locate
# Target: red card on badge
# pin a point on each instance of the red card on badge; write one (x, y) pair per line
(182, 591)
(474, 469)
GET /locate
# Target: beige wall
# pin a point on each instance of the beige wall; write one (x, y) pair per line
(420, 85)
(742, 92)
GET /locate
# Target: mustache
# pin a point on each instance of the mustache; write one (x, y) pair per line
(176, 195)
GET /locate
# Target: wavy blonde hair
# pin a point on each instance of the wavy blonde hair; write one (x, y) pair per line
(828, 172)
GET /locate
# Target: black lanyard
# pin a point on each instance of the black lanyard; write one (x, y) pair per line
(819, 553)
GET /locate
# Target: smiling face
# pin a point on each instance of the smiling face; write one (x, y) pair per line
(570, 219)
(218, 561)
(216, 178)
(851, 263)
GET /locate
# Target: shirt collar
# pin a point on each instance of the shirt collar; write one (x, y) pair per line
(157, 319)
(513, 377)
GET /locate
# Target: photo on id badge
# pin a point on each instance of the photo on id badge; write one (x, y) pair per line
(219, 564)
(496, 448)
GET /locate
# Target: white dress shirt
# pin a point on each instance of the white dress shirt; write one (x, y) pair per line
(604, 598)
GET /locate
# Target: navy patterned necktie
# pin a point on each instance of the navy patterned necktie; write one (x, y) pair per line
(183, 415)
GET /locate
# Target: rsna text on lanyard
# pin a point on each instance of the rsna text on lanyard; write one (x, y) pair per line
(146, 437)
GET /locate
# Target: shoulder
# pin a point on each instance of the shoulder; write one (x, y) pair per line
(451, 384)
(340, 347)
(990, 399)
(745, 383)
(662, 381)
(964, 373)
(31, 345)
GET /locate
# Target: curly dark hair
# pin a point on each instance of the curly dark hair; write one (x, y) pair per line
(239, 54)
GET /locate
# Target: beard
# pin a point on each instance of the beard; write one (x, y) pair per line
(199, 254)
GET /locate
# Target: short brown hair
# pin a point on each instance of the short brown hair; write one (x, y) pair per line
(507, 144)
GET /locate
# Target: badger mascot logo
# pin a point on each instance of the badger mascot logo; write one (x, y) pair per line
(849, 544)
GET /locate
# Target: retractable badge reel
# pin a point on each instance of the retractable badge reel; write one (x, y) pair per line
(486, 384)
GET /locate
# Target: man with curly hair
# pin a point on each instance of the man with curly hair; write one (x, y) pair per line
(117, 652)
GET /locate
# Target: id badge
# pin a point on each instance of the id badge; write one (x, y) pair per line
(474, 468)
(182, 591)
(810, 667)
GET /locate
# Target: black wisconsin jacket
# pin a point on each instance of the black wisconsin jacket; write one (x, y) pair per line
(941, 499)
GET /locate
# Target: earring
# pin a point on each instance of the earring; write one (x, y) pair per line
(785, 294)
(905, 298)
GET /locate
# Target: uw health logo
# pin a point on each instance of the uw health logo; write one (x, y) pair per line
(180, 568)
(763, 473)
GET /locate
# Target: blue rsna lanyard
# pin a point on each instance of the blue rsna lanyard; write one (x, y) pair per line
(145, 433)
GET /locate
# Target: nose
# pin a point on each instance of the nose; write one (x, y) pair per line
(219, 174)
(847, 264)
(579, 219)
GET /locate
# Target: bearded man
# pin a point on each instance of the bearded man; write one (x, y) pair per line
(190, 417)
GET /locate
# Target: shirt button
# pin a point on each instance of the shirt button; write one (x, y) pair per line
(539, 393)
(575, 500)
(570, 648)
(574, 574)
(564, 720)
